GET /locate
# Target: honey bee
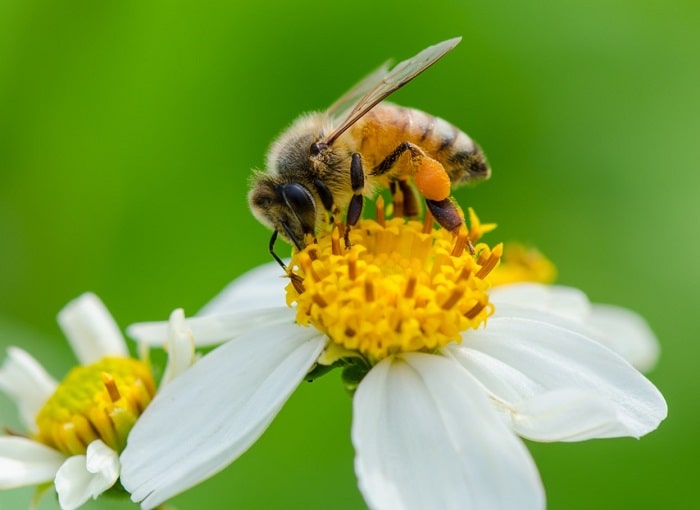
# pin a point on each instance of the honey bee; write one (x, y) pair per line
(326, 162)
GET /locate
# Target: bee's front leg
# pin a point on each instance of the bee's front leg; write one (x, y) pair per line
(357, 181)
(271, 247)
(326, 198)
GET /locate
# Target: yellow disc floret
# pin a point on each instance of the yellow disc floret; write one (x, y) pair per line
(98, 401)
(401, 286)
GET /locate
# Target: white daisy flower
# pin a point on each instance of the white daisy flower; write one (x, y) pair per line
(76, 428)
(442, 393)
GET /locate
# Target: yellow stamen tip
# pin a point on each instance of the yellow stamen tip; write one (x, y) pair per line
(398, 203)
(379, 206)
(369, 291)
(488, 260)
(111, 386)
(335, 241)
(428, 222)
(461, 241)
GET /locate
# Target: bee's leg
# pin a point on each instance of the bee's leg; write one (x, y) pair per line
(296, 280)
(448, 216)
(389, 161)
(326, 198)
(429, 175)
(410, 202)
(357, 180)
(403, 198)
(328, 203)
(271, 247)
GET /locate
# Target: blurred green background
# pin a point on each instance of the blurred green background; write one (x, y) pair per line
(128, 129)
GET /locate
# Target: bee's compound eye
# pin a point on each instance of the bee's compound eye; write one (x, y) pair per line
(301, 202)
(317, 147)
(298, 198)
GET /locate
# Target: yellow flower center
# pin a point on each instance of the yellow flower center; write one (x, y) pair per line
(401, 286)
(98, 401)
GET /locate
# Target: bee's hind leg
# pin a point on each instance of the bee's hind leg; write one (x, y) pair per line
(429, 175)
(448, 215)
(403, 196)
(357, 180)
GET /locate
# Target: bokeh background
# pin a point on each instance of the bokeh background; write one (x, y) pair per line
(128, 130)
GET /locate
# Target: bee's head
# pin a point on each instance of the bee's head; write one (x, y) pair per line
(286, 207)
(285, 197)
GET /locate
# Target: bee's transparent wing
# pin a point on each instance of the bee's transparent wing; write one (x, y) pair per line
(348, 100)
(401, 74)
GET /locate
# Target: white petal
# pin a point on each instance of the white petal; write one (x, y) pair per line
(103, 462)
(518, 358)
(563, 301)
(207, 417)
(72, 482)
(426, 437)
(262, 287)
(91, 329)
(626, 333)
(620, 329)
(27, 383)
(26, 462)
(566, 415)
(180, 347)
(82, 477)
(214, 329)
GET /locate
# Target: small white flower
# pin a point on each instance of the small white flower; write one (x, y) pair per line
(431, 429)
(27, 460)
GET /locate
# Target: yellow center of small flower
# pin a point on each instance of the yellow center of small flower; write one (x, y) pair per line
(401, 286)
(98, 401)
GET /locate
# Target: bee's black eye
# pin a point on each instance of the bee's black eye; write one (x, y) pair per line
(297, 197)
(301, 202)
(317, 148)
